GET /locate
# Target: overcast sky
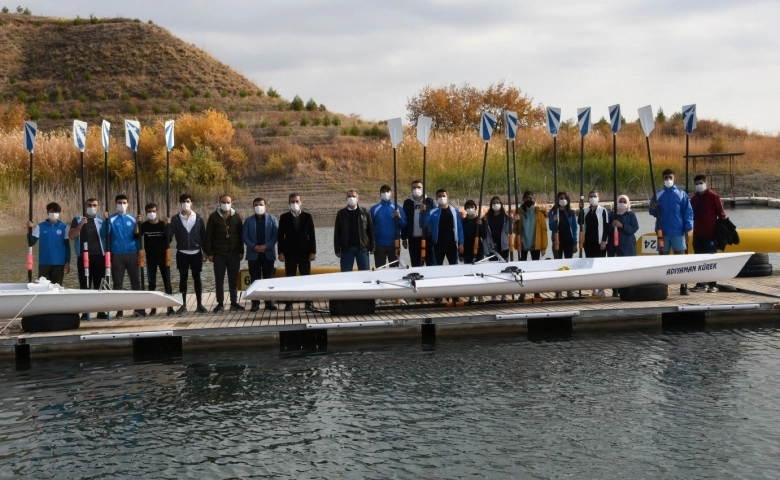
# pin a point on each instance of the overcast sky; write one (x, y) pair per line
(368, 57)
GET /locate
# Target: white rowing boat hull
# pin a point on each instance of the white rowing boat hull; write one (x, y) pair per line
(488, 278)
(16, 299)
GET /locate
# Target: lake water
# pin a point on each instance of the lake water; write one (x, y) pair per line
(13, 247)
(623, 405)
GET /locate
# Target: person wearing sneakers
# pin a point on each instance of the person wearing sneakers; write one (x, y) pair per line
(224, 247)
(297, 243)
(189, 230)
(54, 249)
(674, 216)
(707, 210)
(624, 220)
(595, 230)
(260, 234)
(412, 236)
(155, 240)
(384, 215)
(89, 230)
(565, 219)
(353, 234)
(125, 244)
(530, 231)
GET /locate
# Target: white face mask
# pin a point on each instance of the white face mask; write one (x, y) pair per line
(121, 208)
(417, 192)
(496, 207)
(442, 200)
(668, 183)
(295, 207)
(471, 211)
(622, 207)
(386, 196)
(53, 216)
(225, 207)
(701, 187)
(92, 211)
(351, 201)
(259, 209)
(186, 207)
(562, 202)
(593, 201)
(151, 216)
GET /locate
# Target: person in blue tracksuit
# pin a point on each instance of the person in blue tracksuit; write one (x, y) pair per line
(446, 230)
(386, 231)
(260, 234)
(125, 244)
(54, 249)
(674, 216)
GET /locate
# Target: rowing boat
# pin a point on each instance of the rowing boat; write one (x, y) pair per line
(494, 278)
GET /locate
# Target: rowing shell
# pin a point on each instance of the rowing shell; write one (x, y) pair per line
(493, 278)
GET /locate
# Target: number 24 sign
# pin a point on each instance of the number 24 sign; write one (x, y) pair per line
(649, 244)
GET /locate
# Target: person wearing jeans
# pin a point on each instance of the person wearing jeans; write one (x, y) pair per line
(353, 234)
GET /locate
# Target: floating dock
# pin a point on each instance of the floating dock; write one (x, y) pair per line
(422, 323)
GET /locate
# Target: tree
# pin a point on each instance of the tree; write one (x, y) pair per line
(296, 104)
(660, 116)
(311, 105)
(19, 9)
(5, 9)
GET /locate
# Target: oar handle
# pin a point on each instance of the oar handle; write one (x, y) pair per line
(168, 256)
(476, 246)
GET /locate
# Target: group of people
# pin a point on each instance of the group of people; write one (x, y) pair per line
(433, 231)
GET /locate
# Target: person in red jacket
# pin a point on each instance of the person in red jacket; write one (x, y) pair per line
(707, 209)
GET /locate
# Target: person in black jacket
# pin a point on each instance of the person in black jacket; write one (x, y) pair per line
(353, 234)
(297, 243)
(412, 235)
(189, 230)
(155, 240)
(224, 246)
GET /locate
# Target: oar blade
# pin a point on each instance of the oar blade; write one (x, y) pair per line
(583, 119)
(646, 119)
(689, 117)
(553, 120)
(30, 132)
(486, 125)
(615, 118)
(396, 128)
(510, 122)
(132, 132)
(424, 129)
(169, 127)
(105, 128)
(80, 134)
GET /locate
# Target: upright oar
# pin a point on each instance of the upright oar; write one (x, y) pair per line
(105, 136)
(510, 127)
(583, 119)
(614, 121)
(30, 132)
(80, 141)
(647, 121)
(132, 133)
(395, 125)
(689, 120)
(423, 134)
(553, 125)
(169, 137)
(486, 125)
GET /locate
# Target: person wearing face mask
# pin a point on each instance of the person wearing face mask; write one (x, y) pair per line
(595, 230)
(565, 219)
(260, 234)
(155, 242)
(353, 234)
(530, 229)
(707, 210)
(87, 230)
(625, 221)
(189, 230)
(125, 244)
(297, 242)
(415, 231)
(674, 217)
(225, 247)
(470, 232)
(496, 227)
(386, 230)
(446, 230)
(54, 249)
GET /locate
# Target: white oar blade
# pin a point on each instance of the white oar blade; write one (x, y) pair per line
(80, 134)
(424, 129)
(169, 125)
(106, 131)
(510, 122)
(615, 118)
(553, 120)
(30, 132)
(395, 125)
(486, 125)
(583, 119)
(647, 119)
(132, 132)
(689, 117)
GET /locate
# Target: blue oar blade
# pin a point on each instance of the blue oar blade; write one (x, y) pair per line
(486, 125)
(583, 119)
(553, 120)
(132, 132)
(689, 117)
(106, 131)
(510, 121)
(80, 134)
(169, 126)
(30, 132)
(614, 118)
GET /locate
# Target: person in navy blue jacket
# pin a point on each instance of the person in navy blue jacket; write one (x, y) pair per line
(625, 221)
(446, 230)
(54, 249)
(260, 234)
(125, 244)
(674, 216)
(384, 215)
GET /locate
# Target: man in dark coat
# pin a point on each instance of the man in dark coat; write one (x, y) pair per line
(297, 243)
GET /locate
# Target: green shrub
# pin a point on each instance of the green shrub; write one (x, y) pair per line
(336, 121)
(11, 79)
(264, 124)
(345, 131)
(260, 93)
(273, 93)
(372, 132)
(311, 105)
(279, 164)
(224, 93)
(55, 115)
(93, 113)
(124, 96)
(232, 108)
(243, 94)
(304, 121)
(326, 121)
(78, 20)
(133, 110)
(137, 20)
(145, 94)
(354, 131)
(93, 20)
(166, 95)
(150, 22)
(69, 75)
(75, 113)
(5, 9)
(187, 93)
(296, 104)
(83, 98)
(207, 94)
(86, 75)
(27, 12)
(34, 113)
(317, 121)
(173, 108)
(322, 107)
(60, 95)
(193, 108)
(102, 96)
(241, 125)
(41, 97)
(156, 109)
(283, 122)
(22, 96)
